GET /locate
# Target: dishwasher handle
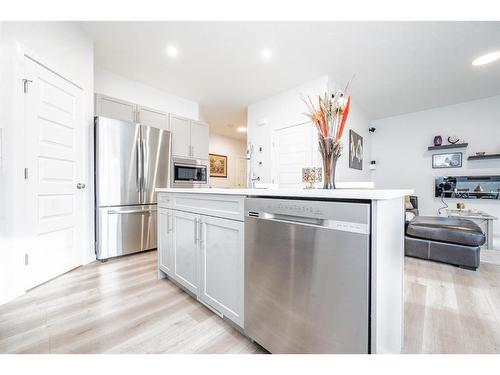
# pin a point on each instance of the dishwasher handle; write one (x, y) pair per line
(302, 220)
(293, 219)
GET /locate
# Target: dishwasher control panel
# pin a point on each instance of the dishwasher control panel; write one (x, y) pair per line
(344, 216)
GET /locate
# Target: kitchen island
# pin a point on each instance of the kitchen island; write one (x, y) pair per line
(298, 271)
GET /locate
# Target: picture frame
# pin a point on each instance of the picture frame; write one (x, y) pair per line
(218, 165)
(355, 150)
(447, 160)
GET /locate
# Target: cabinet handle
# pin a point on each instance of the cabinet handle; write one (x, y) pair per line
(200, 233)
(195, 230)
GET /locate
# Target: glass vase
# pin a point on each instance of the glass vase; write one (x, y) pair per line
(330, 150)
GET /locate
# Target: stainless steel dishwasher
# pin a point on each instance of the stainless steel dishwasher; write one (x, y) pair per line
(307, 275)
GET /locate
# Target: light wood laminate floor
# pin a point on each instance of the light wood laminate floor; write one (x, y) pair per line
(121, 307)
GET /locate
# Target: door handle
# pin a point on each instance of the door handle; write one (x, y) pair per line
(80, 186)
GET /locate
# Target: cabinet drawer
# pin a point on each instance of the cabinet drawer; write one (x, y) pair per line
(165, 200)
(225, 206)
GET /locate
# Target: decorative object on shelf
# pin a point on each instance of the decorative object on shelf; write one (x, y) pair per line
(438, 140)
(449, 160)
(460, 206)
(329, 117)
(445, 147)
(453, 140)
(478, 189)
(311, 175)
(355, 150)
(218, 165)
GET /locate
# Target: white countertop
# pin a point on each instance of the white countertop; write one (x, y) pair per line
(365, 194)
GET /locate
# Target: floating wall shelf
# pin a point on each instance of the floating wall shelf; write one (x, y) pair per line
(445, 147)
(484, 157)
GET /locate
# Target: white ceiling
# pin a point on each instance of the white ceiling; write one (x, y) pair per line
(400, 67)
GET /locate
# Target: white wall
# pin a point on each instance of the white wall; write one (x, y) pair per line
(66, 49)
(400, 149)
(287, 109)
(111, 84)
(235, 150)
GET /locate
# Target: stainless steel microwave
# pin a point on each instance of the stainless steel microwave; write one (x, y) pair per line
(189, 173)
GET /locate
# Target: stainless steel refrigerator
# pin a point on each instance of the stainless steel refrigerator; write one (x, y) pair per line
(131, 160)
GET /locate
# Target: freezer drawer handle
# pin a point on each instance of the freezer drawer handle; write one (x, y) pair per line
(132, 211)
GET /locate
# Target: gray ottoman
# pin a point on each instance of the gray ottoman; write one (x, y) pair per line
(449, 240)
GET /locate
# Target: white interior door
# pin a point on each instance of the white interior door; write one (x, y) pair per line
(54, 157)
(292, 151)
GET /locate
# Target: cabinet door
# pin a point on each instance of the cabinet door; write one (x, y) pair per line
(199, 140)
(115, 108)
(165, 240)
(152, 117)
(181, 134)
(222, 266)
(185, 250)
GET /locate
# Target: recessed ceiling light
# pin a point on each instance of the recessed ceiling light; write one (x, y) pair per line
(486, 59)
(242, 129)
(266, 54)
(172, 51)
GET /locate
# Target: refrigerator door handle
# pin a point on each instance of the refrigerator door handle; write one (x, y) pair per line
(145, 166)
(139, 169)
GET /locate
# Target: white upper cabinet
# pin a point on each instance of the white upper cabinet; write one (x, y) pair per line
(199, 140)
(115, 108)
(152, 117)
(181, 136)
(189, 138)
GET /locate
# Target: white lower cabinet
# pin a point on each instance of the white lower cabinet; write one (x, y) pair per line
(205, 255)
(185, 249)
(165, 237)
(222, 266)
